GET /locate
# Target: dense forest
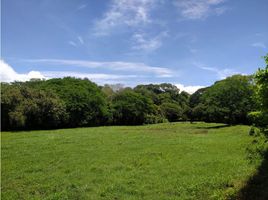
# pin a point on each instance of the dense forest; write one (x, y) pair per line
(72, 102)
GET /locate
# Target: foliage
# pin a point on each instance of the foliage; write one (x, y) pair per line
(261, 79)
(154, 119)
(24, 107)
(195, 98)
(259, 146)
(172, 111)
(84, 100)
(227, 101)
(129, 107)
(258, 118)
(256, 186)
(172, 102)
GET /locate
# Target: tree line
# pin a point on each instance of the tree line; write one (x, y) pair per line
(73, 102)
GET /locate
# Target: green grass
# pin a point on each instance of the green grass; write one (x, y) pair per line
(163, 161)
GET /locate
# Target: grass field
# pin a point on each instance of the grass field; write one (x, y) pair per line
(163, 161)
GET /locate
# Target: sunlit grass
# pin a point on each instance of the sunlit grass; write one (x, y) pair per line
(163, 161)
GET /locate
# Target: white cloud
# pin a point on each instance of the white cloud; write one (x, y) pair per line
(199, 9)
(114, 66)
(259, 45)
(8, 74)
(147, 43)
(124, 12)
(190, 89)
(95, 77)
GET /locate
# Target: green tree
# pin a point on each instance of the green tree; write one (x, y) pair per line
(28, 108)
(260, 118)
(131, 108)
(172, 111)
(161, 93)
(227, 101)
(85, 102)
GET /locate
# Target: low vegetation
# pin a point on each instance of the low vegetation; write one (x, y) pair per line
(162, 161)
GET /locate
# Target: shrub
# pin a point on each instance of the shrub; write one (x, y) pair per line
(173, 112)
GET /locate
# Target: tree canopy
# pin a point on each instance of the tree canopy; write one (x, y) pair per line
(226, 101)
(73, 102)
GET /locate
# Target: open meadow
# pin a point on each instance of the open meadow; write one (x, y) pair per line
(161, 161)
(134, 100)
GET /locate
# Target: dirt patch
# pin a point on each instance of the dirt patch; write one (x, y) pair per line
(200, 131)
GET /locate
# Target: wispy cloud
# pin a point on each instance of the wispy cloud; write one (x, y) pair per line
(135, 19)
(142, 41)
(80, 39)
(258, 34)
(200, 9)
(95, 76)
(124, 12)
(193, 50)
(259, 45)
(72, 43)
(221, 73)
(8, 74)
(114, 66)
(81, 7)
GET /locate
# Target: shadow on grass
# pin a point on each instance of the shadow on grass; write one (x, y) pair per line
(257, 186)
(214, 127)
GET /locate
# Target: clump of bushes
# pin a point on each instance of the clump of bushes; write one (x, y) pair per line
(259, 145)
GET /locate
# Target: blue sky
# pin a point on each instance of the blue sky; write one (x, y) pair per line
(190, 43)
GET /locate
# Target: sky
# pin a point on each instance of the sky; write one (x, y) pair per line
(189, 43)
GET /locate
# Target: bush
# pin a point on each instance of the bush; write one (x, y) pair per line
(258, 147)
(258, 118)
(251, 131)
(173, 112)
(154, 119)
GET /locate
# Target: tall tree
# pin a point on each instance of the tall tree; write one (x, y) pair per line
(227, 101)
(84, 100)
(129, 107)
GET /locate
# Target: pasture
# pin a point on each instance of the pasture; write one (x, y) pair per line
(161, 161)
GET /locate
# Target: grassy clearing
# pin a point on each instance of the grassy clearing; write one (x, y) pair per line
(163, 161)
